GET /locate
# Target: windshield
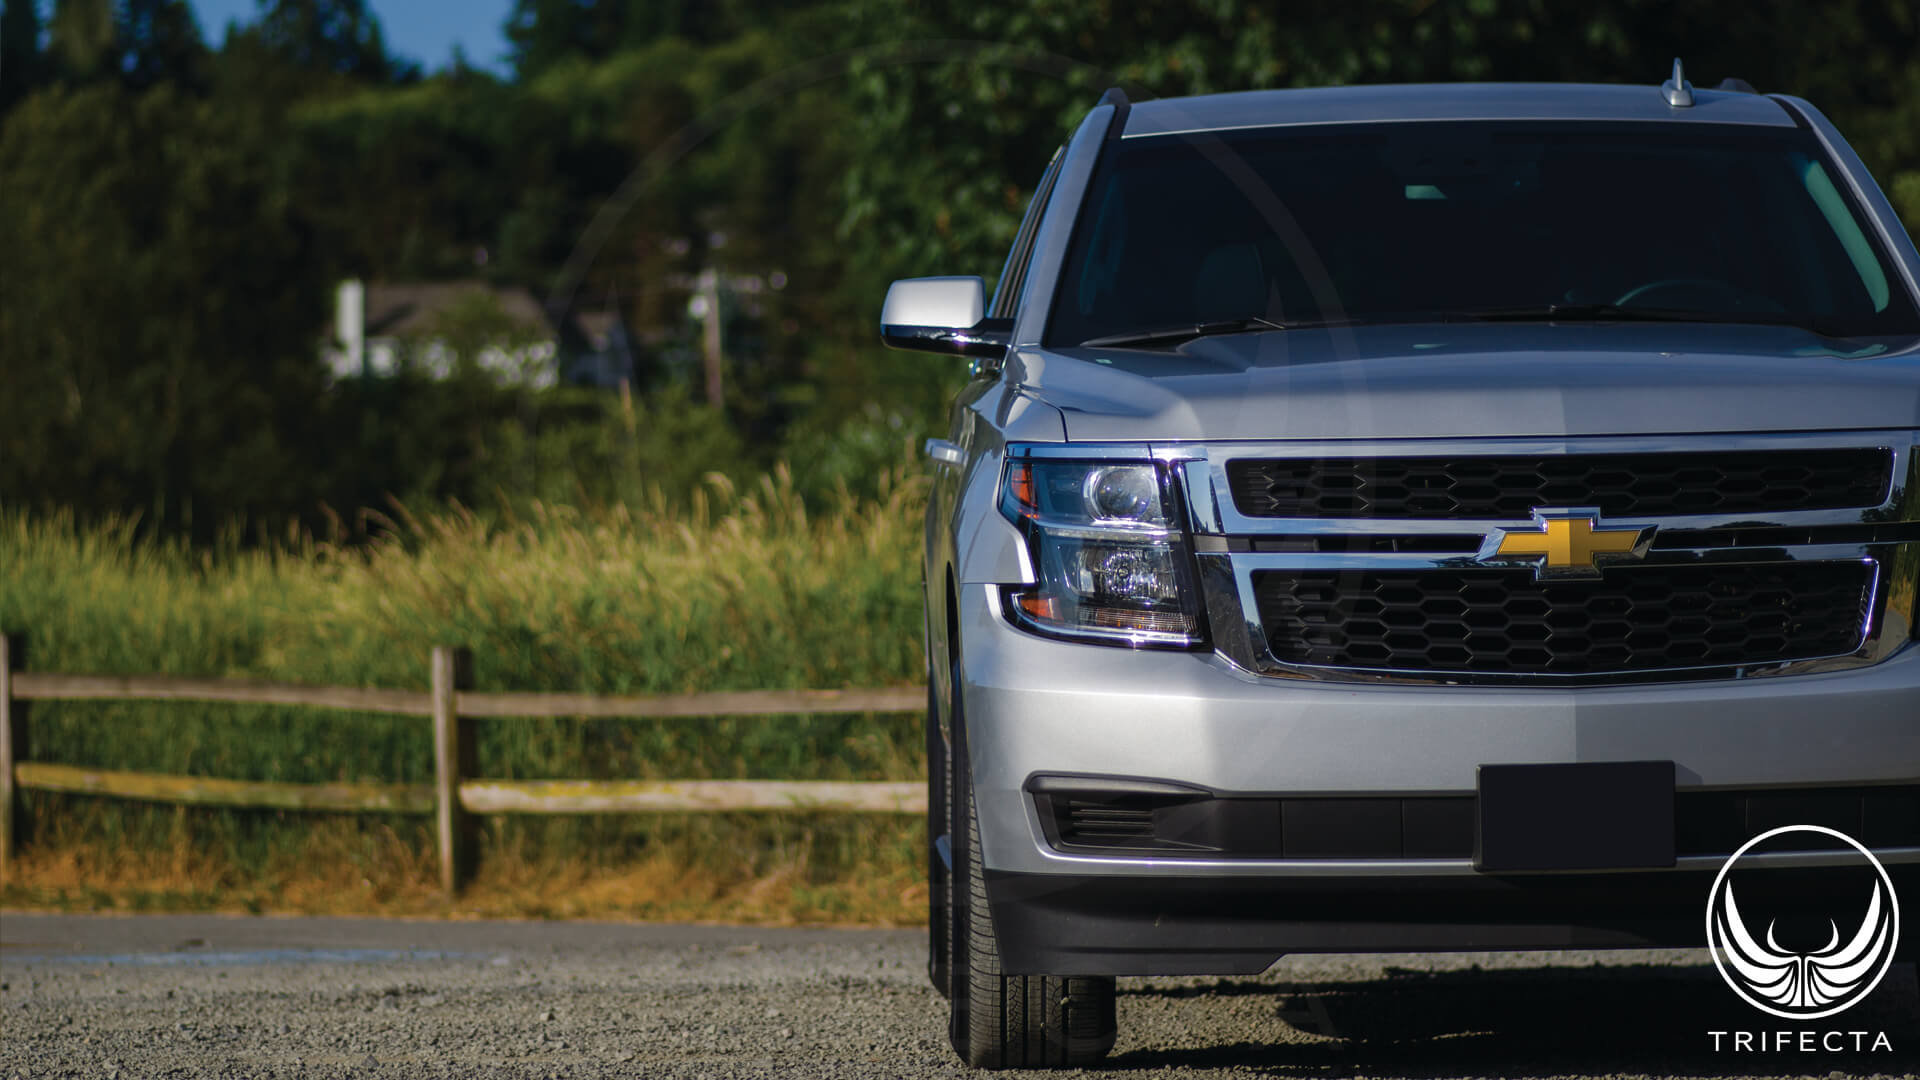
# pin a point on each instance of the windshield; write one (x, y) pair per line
(1458, 220)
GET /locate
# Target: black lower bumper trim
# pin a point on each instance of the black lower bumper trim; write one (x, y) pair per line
(1059, 924)
(1094, 815)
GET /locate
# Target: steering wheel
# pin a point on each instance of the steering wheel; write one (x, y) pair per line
(1718, 290)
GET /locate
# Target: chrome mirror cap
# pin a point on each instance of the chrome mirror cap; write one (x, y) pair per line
(952, 302)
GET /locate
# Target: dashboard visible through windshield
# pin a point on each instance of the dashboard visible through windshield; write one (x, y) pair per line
(1275, 228)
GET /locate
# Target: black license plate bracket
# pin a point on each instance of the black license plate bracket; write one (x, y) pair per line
(1611, 815)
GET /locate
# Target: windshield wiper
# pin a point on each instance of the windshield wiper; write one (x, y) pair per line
(1582, 312)
(1175, 334)
(1608, 313)
(1616, 313)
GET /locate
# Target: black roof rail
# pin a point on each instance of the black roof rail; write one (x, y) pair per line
(1736, 85)
(1117, 98)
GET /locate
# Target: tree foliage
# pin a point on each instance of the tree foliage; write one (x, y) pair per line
(337, 36)
(151, 265)
(20, 57)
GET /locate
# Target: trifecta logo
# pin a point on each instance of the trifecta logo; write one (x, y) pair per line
(1812, 975)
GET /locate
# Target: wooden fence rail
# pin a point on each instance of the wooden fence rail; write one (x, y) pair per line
(455, 795)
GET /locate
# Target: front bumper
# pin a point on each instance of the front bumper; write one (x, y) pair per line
(1076, 924)
(1035, 705)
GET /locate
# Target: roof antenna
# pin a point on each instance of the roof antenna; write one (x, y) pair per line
(1677, 90)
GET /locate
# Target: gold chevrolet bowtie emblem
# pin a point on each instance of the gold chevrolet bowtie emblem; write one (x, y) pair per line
(1567, 544)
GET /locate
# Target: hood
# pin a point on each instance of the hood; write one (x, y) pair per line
(1438, 381)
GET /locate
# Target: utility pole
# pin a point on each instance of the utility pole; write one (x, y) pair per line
(710, 333)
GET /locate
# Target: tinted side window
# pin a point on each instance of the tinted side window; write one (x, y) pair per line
(1013, 277)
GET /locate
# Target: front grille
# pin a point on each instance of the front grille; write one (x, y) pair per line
(1511, 487)
(1503, 622)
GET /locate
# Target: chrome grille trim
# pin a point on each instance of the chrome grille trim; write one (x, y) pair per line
(1211, 500)
(1222, 538)
(1637, 619)
(1743, 482)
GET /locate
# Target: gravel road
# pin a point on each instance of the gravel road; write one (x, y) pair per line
(208, 996)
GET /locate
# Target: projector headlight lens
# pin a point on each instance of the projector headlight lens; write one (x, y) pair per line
(1124, 493)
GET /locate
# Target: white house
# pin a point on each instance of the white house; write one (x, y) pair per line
(378, 329)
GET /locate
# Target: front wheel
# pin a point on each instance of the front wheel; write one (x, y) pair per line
(1011, 1021)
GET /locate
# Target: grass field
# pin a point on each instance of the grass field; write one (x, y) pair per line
(743, 589)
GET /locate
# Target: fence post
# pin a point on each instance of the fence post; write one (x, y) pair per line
(13, 747)
(453, 758)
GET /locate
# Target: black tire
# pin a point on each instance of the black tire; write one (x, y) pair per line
(1011, 1021)
(939, 931)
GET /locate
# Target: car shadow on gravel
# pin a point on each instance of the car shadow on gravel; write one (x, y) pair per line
(1593, 1020)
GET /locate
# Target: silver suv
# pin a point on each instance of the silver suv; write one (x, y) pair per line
(1411, 518)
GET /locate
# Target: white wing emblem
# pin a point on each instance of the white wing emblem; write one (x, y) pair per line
(1804, 981)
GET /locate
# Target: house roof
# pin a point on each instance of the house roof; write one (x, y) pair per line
(419, 310)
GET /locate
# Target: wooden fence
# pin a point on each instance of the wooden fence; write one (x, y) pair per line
(455, 795)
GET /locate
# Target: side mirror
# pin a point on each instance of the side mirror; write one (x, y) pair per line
(943, 315)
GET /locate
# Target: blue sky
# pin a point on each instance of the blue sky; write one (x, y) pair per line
(423, 30)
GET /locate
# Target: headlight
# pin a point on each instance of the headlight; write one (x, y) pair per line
(1129, 493)
(1108, 551)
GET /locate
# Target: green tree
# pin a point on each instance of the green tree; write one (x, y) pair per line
(137, 42)
(543, 33)
(82, 38)
(296, 49)
(159, 314)
(341, 37)
(21, 65)
(160, 42)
